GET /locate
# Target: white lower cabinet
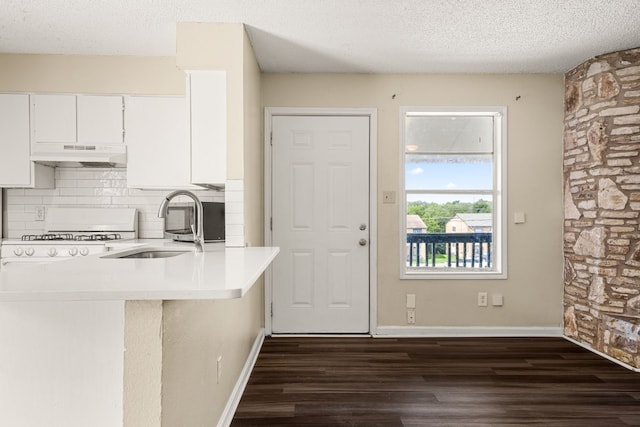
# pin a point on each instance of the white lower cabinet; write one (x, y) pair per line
(158, 148)
(16, 168)
(62, 363)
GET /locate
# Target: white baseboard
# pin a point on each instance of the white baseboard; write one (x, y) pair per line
(243, 379)
(469, 331)
(601, 354)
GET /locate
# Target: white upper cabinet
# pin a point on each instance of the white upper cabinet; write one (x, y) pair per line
(157, 142)
(77, 119)
(207, 92)
(100, 119)
(16, 169)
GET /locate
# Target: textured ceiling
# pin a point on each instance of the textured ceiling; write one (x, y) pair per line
(371, 36)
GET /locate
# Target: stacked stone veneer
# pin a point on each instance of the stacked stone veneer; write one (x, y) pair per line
(602, 204)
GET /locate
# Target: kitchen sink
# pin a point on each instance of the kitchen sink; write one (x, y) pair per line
(146, 253)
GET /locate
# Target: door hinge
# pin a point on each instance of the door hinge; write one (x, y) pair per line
(271, 309)
(271, 223)
(271, 139)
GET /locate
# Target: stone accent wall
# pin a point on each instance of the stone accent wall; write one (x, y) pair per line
(602, 204)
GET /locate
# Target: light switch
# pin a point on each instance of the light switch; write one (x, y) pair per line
(496, 300)
(411, 300)
(519, 218)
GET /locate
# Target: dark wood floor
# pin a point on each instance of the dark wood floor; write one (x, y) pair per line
(436, 382)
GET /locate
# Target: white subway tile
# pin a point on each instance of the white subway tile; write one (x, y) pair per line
(16, 225)
(234, 207)
(108, 188)
(234, 185)
(13, 207)
(234, 218)
(147, 193)
(110, 174)
(34, 225)
(21, 216)
(27, 200)
(234, 230)
(92, 183)
(98, 201)
(59, 200)
(14, 192)
(43, 192)
(76, 191)
(234, 241)
(73, 173)
(233, 196)
(109, 191)
(129, 200)
(66, 183)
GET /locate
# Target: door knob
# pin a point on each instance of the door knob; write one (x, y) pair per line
(363, 227)
(362, 242)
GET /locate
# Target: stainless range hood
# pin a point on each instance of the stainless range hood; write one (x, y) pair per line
(74, 155)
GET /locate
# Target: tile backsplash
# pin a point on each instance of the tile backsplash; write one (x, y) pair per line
(97, 187)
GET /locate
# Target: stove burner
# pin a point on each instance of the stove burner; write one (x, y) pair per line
(68, 236)
(99, 237)
(49, 236)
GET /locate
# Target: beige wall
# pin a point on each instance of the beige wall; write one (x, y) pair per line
(90, 74)
(533, 291)
(196, 333)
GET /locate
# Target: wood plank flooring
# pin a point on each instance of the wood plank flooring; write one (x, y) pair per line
(436, 382)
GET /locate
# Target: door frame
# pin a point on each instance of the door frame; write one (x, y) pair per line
(372, 113)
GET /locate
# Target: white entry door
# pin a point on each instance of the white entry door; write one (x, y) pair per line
(320, 221)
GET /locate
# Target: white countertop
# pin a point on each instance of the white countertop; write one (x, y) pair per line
(216, 273)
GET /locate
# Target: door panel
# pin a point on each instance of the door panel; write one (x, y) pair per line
(320, 199)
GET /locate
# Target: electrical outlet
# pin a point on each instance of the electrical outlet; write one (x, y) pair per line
(411, 316)
(39, 213)
(482, 299)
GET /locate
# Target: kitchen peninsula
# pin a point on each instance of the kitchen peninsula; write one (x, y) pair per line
(107, 341)
(216, 273)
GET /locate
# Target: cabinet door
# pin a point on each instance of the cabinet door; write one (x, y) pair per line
(54, 118)
(99, 119)
(208, 126)
(16, 169)
(158, 154)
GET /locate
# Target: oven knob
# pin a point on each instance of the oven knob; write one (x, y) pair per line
(52, 252)
(73, 251)
(17, 251)
(84, 251)
(29, 251)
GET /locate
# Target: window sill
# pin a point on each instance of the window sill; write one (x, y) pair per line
(448, 275)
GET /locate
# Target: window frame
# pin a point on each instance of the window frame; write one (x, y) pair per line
(499, 193)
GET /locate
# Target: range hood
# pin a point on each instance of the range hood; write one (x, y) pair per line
(75, 155)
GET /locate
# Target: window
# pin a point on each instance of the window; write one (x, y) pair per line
(453, 181)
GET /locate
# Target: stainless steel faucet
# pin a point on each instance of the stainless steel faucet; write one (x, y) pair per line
(198, 231)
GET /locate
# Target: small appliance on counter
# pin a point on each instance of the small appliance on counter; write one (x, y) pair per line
(181, 221)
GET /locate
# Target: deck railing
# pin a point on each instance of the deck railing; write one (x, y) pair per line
(459, 249)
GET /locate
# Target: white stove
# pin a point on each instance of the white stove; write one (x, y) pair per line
(71, 232)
